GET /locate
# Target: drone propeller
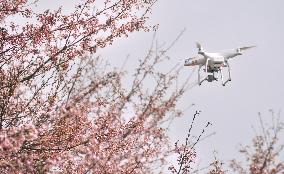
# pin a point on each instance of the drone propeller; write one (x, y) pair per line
(244, 48)
(198, 45)
(200, 48)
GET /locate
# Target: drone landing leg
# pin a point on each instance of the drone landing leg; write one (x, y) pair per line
(203, 80)
(222, 77)
(200, 81)
(229, 71)
(206, 66)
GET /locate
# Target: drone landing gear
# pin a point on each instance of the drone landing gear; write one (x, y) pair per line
(229, 72)
(199, 82)
(199, 79)
(209, 77)
(206, 71)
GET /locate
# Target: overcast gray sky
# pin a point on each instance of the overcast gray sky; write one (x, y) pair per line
(257, 83)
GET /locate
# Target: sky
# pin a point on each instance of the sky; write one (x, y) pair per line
(257, 84)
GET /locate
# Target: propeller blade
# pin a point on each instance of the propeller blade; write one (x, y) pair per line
(245, 48)
(198, 45)
(200, 48)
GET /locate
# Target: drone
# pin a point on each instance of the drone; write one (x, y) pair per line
(214, 63)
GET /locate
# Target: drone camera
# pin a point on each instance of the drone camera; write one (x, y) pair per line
(211, 78)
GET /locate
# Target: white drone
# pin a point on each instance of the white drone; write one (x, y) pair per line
(213, 62)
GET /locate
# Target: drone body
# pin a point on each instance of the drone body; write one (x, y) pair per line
(213, 63)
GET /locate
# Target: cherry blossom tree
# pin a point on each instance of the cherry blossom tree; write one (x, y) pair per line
(62, 110)
(186, 151)
(264, 155)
